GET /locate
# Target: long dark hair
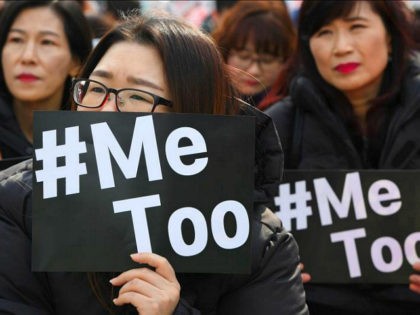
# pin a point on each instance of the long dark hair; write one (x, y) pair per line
(196, 77)
(396, 19)
(195, 72)
(76, 29)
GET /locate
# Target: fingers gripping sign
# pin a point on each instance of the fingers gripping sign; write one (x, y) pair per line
(415, 279)
(151, 292)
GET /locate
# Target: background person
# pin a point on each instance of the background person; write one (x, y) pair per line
(256, 38)
(169, 66)
(42, 45)
(353, 105)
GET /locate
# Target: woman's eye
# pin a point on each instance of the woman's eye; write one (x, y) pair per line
(136, 97)
(357, 26)
(323, 32)
(96, 90)
(140, 98)
(47, 42)
(15, 39)
(244, 56)
(268, 59)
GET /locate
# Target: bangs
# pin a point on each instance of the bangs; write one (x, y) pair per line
(323, 13)
(271, 41)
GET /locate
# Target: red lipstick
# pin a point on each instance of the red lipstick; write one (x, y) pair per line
(27, 77)
(251, 82)
(347, 67)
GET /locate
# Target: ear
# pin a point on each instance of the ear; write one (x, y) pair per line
(75, 67)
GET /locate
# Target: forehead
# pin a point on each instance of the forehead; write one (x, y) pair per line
(38, 19)
(129, 55)
(128, 59)
(359, 9)
(327, 11)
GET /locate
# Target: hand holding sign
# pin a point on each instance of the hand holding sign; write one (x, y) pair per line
(150, 292)
(415, 279)
(306, 277)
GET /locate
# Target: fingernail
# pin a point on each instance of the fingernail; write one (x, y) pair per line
(112, 280)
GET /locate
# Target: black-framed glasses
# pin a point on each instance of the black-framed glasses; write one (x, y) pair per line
(93, 94)
(243, 59)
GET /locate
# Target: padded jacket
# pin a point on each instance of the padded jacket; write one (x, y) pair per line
(13, 143)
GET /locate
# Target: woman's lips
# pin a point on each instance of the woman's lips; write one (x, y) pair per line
(347, 67)
(251, 83)
(26, 77)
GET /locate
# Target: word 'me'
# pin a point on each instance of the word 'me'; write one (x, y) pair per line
(105, 144)
(384, 198)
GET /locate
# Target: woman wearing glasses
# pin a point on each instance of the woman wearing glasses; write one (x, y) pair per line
(151, 64)
(256, 38)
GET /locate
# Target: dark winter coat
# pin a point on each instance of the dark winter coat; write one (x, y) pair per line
(13, 143)
(313, 137)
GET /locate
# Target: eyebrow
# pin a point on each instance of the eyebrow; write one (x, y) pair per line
(45, 32)
(355, 18)
(138, 81)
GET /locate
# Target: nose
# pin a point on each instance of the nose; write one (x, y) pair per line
(342, 43)
(254, 67)
(109, 104)
(29, 54)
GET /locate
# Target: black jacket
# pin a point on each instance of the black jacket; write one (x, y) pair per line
(314, 137)
(268, 169)
(13, 143)
(273, 287)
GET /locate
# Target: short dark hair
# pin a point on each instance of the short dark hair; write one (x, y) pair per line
(76, 29)
(195, 72)
(121, 7)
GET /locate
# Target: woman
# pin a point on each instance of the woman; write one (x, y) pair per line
(353, 105)
(256, 39)
(42, 44)
(180, 70)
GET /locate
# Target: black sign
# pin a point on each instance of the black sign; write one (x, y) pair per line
(353, 226)
(110, 184)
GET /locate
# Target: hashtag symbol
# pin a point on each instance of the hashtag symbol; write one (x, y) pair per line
(294, 205)
(72, 168)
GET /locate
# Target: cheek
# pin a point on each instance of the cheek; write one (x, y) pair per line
(236, 75)
(319, 52)
(272, 76)
(6, 63)
(59, 65)
(378, 51)
(229, 61)
(163, 109)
